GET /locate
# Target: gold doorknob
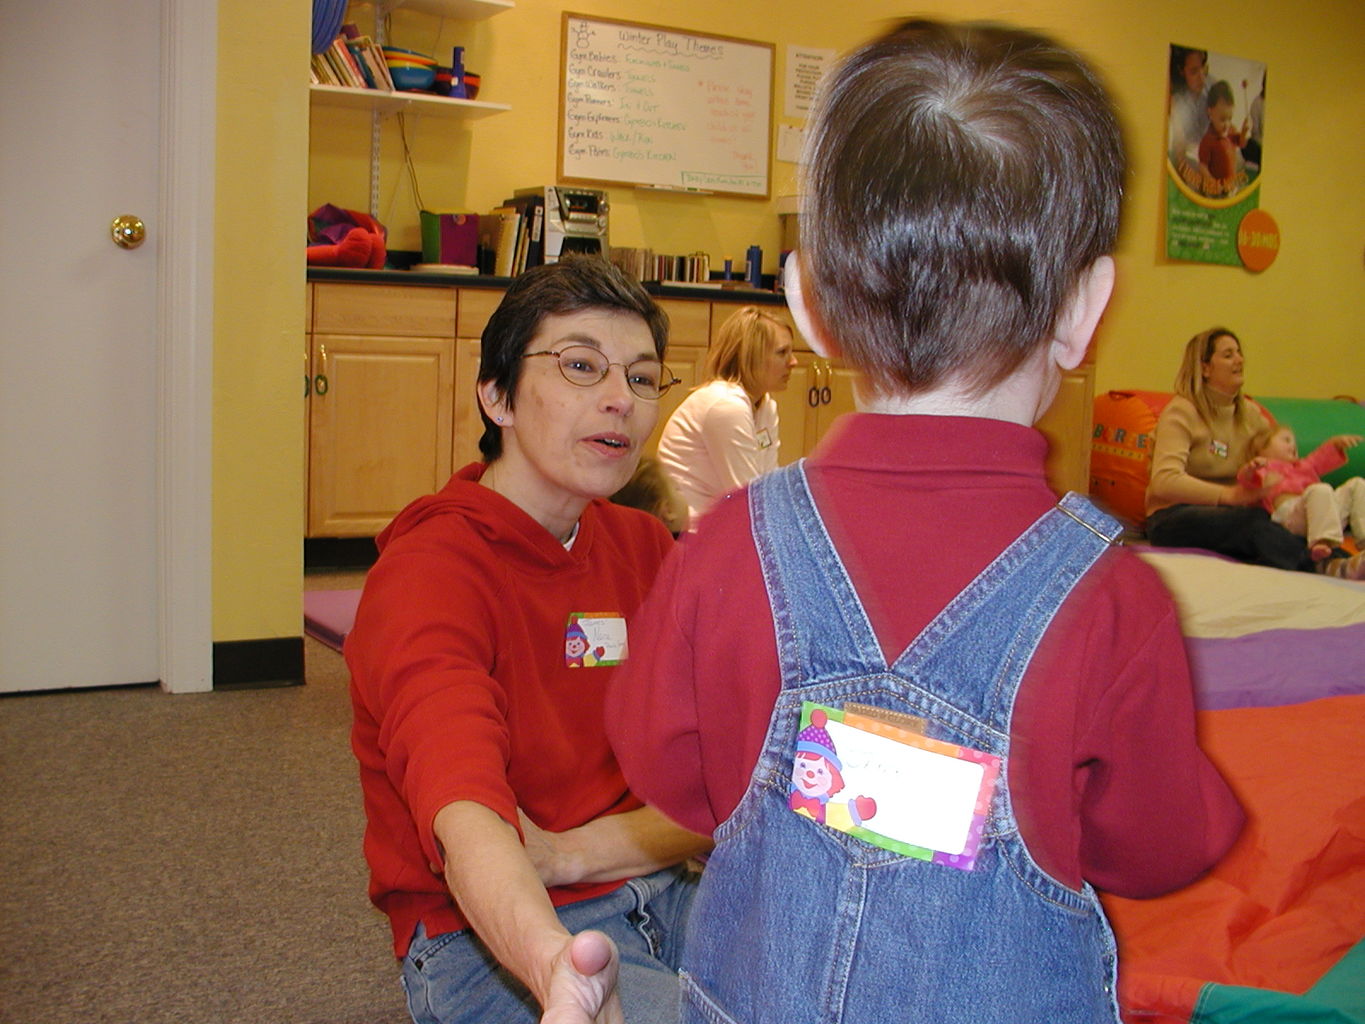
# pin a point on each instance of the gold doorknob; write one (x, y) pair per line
(129, 232)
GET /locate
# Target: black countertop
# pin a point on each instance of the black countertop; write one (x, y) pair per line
(417, 278)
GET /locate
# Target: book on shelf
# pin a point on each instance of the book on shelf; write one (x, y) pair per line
(537, 253)
(367, 50)
(503, 239)
(515, 233)
(345, 63)
(531, 209)
(358, 58)
(645, 264)
(353, 61)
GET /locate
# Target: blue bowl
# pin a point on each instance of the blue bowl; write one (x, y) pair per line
(410, 79)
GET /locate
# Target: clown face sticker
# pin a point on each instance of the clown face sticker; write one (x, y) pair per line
(594, 638)
(890, 785)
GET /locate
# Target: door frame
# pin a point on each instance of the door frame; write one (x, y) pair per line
(184, 340)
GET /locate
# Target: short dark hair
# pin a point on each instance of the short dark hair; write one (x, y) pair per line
(574, 283)
(959, 179)
(1219, 92)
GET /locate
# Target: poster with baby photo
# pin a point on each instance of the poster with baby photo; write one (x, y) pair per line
(1214, 130)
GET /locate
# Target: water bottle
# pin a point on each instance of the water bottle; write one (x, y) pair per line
(753, 267)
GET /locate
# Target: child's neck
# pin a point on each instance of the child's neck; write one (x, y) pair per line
(1022, 398)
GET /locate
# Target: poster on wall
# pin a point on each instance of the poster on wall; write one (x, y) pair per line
(1215, 130)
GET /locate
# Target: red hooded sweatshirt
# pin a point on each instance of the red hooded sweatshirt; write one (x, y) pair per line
(462, 689)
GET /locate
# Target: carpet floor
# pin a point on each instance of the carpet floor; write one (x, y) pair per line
(188, 859)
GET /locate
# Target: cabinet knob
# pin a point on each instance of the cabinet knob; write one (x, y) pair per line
(128, 231)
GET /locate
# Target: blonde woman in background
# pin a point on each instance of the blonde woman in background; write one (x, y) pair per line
(725, 432)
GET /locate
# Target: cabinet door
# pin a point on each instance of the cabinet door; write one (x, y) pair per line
(468, 423)
(1067, 424)
(379, 429)
(476, 305)
(819, 390)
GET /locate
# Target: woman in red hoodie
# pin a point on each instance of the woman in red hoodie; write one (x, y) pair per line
(499, 823)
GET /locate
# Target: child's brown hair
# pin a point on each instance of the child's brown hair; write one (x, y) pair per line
(959, 180)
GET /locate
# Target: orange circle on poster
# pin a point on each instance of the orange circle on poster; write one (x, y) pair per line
(1258, 240)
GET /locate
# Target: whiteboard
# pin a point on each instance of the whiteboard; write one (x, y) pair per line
(647, 105)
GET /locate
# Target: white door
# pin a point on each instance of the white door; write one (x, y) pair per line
(80, 392)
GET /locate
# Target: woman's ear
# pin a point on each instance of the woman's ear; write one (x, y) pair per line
(801, 315)
(1078, 321)
(490, 399)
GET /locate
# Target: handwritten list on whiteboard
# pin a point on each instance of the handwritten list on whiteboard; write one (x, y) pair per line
(647, 105)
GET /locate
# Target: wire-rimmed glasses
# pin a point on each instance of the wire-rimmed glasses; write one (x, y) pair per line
(584, 366)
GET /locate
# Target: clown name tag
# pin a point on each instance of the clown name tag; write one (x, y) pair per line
(594, 638)
(891, 786)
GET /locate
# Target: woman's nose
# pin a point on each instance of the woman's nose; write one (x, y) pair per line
(615, 389)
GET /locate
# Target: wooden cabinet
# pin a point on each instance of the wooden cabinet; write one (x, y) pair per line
(819, 390)
(393, 409)
(475, 306)
(1068, 424)
(380, 416)
(689, 334)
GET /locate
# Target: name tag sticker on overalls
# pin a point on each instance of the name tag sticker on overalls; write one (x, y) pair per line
(891, 786)
(594, 638)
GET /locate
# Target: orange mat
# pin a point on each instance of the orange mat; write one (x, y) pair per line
(1288, 901)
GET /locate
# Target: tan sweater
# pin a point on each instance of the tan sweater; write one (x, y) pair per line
(1193, 461)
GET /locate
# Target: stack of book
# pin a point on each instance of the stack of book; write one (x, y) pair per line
(354, 61)
(647, 265)
(515, 234)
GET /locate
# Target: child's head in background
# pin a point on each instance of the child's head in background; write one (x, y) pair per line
(1278, 443)
(961, 182)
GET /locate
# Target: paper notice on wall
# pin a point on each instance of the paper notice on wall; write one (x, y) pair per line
(790, 139)
(805, 67)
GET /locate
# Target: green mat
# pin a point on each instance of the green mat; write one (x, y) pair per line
(1337, 998)
(1315, 420)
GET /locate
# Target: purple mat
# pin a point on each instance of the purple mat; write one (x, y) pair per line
(329, 614)
(1277, 666)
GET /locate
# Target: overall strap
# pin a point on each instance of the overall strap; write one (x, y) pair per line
(822, 628)
(819, 621)
(975, 651)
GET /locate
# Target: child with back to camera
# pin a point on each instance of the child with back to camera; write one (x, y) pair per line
(961, 199)
(1299, 500)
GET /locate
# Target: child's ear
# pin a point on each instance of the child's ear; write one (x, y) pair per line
(1078, 321)
(806, 323)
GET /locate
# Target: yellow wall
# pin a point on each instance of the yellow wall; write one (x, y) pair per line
(262, 159)
(1301, 321)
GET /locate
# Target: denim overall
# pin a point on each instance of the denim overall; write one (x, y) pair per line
(798, 922)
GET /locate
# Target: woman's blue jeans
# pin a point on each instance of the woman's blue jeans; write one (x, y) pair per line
(453, 979)
(1245, 533)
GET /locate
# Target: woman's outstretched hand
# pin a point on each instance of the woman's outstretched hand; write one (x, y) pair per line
(583, 983)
